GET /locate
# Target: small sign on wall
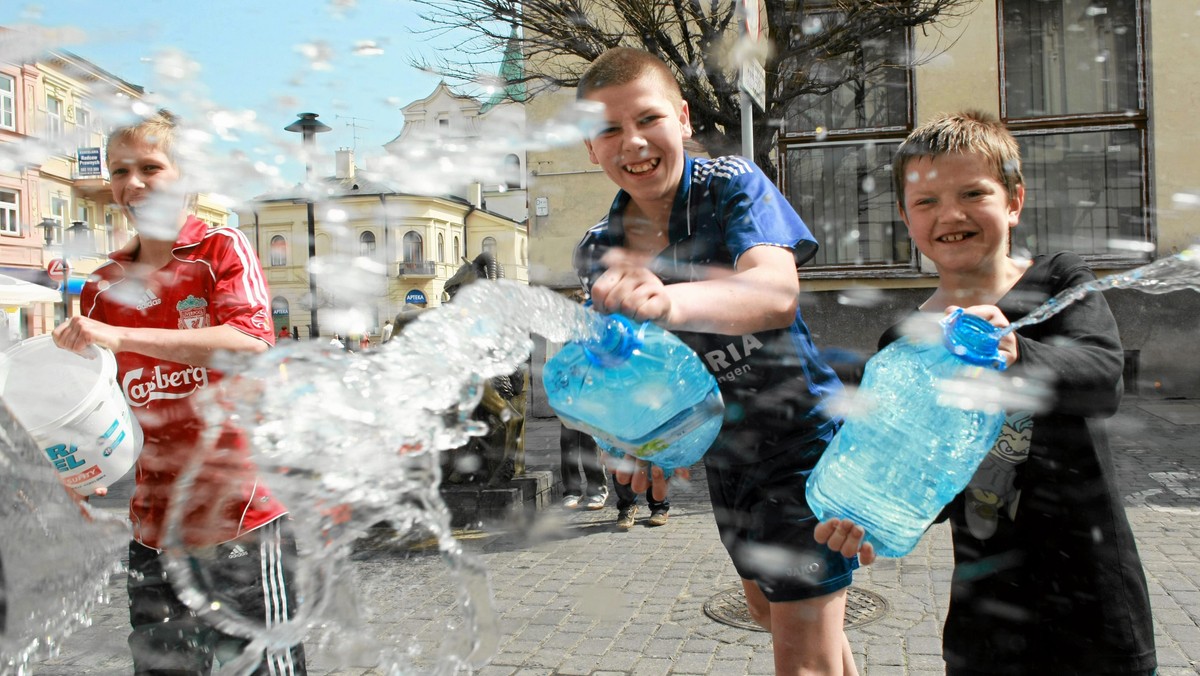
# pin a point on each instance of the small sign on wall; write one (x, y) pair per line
(541, 206)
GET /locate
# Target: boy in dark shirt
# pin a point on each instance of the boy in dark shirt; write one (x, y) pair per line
(1047, 578)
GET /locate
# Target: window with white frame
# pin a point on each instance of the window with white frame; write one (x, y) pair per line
(83, 126)
(836, 151)
(414, 251)
(278, 251)
(8, 102)
(58, 212)
(54, 117)
(9, 208)
(366, 244)
(1074, 96)
(441, 248)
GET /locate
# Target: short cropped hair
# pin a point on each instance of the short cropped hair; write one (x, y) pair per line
(970, 131)
(158, 130)
(622, 65)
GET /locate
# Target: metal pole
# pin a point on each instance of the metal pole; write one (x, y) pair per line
(747, 125)
(66, 285)
(313, 330)
(309, 127)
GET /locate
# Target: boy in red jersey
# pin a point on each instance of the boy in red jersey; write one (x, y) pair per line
(179, 294)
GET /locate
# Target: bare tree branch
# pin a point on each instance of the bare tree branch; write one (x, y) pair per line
(814, 47)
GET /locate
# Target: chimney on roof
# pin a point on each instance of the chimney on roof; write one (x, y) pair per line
(475, 195)
(344, 168)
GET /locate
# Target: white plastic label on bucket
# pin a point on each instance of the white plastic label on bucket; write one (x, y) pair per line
(73, 408)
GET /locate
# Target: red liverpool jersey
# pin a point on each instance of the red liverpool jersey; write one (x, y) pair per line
(213, 279)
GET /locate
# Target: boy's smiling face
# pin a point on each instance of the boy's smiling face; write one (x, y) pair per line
(145, 184)
(138, 169)
(640, 142)
(958, 212)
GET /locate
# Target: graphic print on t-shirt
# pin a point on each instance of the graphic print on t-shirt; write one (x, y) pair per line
(993, 488)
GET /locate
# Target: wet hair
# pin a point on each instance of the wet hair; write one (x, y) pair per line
(158, 130)
(622, 65)
(969, 131)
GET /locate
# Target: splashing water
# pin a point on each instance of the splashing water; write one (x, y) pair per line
(351, 440)
(55, 561)
(1174, 273)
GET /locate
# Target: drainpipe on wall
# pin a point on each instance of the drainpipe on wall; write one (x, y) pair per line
(387, 250)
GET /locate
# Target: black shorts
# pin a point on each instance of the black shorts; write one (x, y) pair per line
(766, 525)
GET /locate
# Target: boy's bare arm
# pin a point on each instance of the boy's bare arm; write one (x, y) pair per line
(195, 347)
(761, 294)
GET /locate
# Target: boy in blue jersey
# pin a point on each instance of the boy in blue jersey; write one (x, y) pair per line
(708, 249)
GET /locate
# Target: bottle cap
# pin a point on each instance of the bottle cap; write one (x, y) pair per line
(616, 338)
(973, 339)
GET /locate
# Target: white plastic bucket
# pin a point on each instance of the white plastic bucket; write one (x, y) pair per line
(73, 408)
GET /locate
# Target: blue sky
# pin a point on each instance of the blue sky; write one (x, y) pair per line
(258, 55)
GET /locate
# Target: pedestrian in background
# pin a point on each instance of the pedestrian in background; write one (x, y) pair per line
(584, 483)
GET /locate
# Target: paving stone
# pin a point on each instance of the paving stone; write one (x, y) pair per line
(572, 594)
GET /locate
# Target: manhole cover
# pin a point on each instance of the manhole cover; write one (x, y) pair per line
(729, 607)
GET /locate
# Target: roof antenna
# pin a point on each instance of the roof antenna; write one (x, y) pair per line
(353, 124)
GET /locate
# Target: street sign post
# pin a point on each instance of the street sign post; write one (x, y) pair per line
(56, 269)
(59, 269)
(752, 81)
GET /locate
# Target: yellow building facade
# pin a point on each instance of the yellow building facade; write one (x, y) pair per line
(407, 246)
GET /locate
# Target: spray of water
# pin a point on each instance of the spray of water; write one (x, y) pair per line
(56, 557)
(351, 440)
(1173, 273)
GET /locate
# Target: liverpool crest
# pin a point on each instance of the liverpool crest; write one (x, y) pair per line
(193, 313)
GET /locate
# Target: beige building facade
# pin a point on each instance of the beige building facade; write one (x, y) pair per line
(53, 170)
(1098, 95)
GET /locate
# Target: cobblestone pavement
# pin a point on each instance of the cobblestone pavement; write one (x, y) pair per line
(576, 596)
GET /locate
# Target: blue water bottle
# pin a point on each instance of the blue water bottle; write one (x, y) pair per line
(893, 467)
(636, 389)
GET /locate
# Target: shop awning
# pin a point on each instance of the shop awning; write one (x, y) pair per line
(18, 293)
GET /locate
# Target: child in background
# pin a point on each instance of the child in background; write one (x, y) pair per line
(1047, 577)
(709, 249)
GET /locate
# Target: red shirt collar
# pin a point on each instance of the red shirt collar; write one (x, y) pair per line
(190, 234)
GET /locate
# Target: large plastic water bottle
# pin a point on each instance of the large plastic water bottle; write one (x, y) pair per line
(636, 389)
(893, 467)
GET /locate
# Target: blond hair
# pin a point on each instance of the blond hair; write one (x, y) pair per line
(158, 131)
(970, 131)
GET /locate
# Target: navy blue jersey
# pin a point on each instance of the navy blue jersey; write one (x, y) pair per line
(775, 385)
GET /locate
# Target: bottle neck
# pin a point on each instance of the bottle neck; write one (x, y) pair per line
(615, 338)
(973, 339)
